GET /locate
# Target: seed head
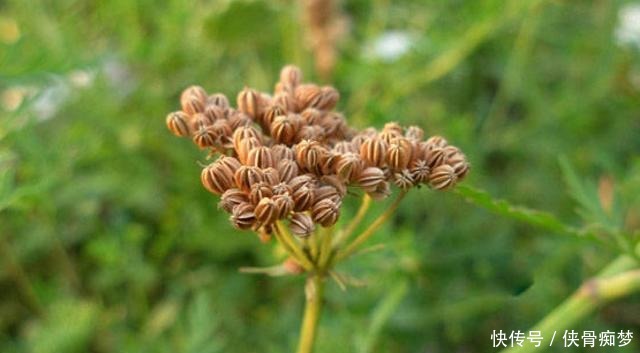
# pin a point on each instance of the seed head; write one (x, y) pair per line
(245, 177)
(288, 169)
(437, 141)
(284, 203)
(266, 211)
(370, 178)
(303, 198)
(231, 198)
(310, 155)
(349, 166)
(373, 151)
(244, 147)
(414, 133)
(307, 95)
(214, 112)
(403, 179)
(311, 116)
(291, 76)
(205, 137)
(399, 153)
(435, 157)
(243, 216)
(260, 157)
(271, 176)
(284, 129)
(249, 102)
(218, 99)
(260, 191)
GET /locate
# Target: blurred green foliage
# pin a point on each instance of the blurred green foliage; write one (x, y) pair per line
(108, 242)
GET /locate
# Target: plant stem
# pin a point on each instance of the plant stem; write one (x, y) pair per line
(313, 304)
(362, 211)
(618, 279)
(290, 245)
(370, 230)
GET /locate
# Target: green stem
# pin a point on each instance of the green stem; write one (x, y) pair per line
(618, 279)
(292, 248)
(362, 211)
(313, 304)
(351, 248)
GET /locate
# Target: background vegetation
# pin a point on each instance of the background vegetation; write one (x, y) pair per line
(108, 242)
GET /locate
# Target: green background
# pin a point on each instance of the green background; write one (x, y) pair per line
(108, 242)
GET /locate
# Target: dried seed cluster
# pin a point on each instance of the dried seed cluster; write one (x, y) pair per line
(289, 156)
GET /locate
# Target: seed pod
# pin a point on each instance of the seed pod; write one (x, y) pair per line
(248, 101)
(349, 166)
(281, 189)
(370, 178)
(334, 125)
(327, 192)
(442, 177)
(285, 100)
(310, 132)
(310, 155)
(399, 153)
(205, 136)
(284, 204)
(243, 216)
(246, 176)
(419, 171)
(435, 157)
(345, 147)
(325, 212)
(260, 157)
(301, 225)
(392, 127)
(302, 180)
(303, 198)
(437, 141)
(306, 95)
(177, 123)
(259, 191)
(284, 129)
(229, 163)
(288, 169)
(281, 152)
(270, 115)
(222, 130)
(329, 97)
(382, 191)
(214, 112)
(271, 176)
(266, 211)
(330, 162)
(414, 133)
(291, 75)
(403, 179)
(231, 198)
(216, 178)
(218, 99)
(311, 116)
(373, 151)
(458, 161)
(245, 146)
(199, 120)
(246, 132)
(238, 119)
(194, 91)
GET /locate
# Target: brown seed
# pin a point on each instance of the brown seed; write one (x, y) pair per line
(325, 212)
(303, 198)
(214, 112)
(259, 191)
(436, 157)
(334, 125)
(177, 122)
(246, 132)
(399, 153)
(260, 157)
(238, 119)
(248, 101)
(218, 99)
(270, 115)
(419, 171)
(291, 75)
(246, 176)
(442, 177)
(350, 166)
(311, 116)
(403, 179)
(199, 120)
(284, 129)
(370, 178)
(335, 182)
(288, 169)
(437, 141)
(285, 100)
(302, 180)
(229, 163)
(327, 192)
(346, 147)
(281, 152)
(414, 133)
(327, 99)
(373, 151)
(205, 136)
(310, 155)
(281, 189)
(392, 127)
(306, 95)
(194, 92)
(284, 204)
(243, 216)
(193, 100)
(216, 178)
(271, 176)
(301, 225)
(231, 198)
(310, 132)
(245, 147)
(266, 211)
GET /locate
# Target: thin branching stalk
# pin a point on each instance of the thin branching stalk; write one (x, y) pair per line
(351, 248)
(314, 290)
(355, 222)
(287, 241)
